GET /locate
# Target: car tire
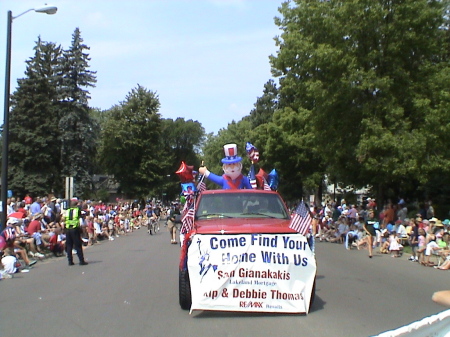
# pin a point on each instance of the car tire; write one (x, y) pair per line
(184, 290)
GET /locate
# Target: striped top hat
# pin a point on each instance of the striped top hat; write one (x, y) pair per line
(231, 156)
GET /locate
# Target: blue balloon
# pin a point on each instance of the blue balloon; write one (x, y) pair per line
(273, 180)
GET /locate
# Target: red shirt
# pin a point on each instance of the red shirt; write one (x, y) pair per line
(389, 215)
(53, 241)
(33, 227)
(23, 210)
(372, 205)
(90, 227)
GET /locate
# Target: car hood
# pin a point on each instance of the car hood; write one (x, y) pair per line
(243, 226)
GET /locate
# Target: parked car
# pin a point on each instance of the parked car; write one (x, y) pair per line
(241, 255)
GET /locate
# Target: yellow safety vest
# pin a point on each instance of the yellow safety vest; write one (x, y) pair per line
(72, 218)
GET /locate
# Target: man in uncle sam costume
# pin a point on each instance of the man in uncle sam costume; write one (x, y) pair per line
(232, 167)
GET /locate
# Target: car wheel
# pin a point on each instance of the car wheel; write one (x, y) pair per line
(184, 290)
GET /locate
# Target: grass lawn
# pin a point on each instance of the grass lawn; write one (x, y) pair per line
(406, 249)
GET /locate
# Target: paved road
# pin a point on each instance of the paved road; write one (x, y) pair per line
(130, 288)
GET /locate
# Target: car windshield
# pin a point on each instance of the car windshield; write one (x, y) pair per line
(241, 205)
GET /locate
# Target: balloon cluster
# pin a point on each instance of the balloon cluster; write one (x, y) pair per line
(262, 179)
(187, 177)
(270, 179)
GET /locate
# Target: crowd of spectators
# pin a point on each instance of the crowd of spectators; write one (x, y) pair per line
(34, 230)
(426, 236)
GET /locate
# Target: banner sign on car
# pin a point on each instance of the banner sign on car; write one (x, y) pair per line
(251, 272)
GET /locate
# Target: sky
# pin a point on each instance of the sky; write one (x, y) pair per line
(207, 60)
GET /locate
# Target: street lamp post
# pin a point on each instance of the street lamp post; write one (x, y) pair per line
(5, 132)
(168, 187)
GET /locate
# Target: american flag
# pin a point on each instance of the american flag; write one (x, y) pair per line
(301, 222)
(187, 221)
(201, 185)
(266, 186)
(252, 176)
(188, 204)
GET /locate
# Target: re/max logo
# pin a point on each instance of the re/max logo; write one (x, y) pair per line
(250, 304)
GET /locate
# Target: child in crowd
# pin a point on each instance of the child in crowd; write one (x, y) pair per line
(385, 243)
(394, 244)
(105, 232)
(10, 264)
(56, 242)
(421, 245)
(90, 230)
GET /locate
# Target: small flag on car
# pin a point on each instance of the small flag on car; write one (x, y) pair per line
(187, 221)
(301, 221)
(201, 185)
(252, 176)
(266, 186)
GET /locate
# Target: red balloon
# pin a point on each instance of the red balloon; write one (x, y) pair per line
(260, 177)
(262, 173)
(185, 173)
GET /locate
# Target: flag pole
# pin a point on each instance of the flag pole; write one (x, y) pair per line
(201, 178)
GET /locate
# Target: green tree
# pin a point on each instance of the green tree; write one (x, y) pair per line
(370, 83)
(288, 146)
(290, 153)
(78, 129)
(182, 141)
(34, 146)
(265, 105)
(99, 118)
(131, 147)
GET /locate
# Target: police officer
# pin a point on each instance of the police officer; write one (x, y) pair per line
(73, 232)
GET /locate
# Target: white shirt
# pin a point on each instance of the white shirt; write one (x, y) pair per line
(9, 209)
(9, 264)
(429, 250)
(401, 231)
(97, 227)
